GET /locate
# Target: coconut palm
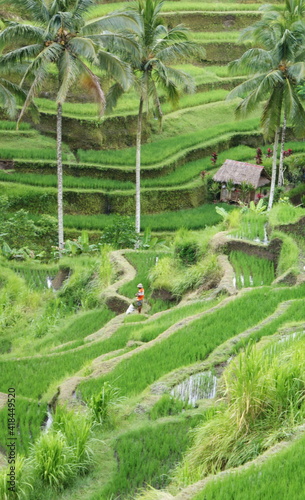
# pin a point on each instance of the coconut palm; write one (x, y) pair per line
(158, 48)
(275, 71)
(58, 35)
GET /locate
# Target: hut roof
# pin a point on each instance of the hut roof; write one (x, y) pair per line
(239, 171)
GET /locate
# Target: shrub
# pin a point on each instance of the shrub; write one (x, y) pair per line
(53, 461)
(186, 247)
(121, 233)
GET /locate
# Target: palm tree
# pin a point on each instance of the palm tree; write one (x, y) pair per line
(58, 35)
(158, 48)
(275, 71)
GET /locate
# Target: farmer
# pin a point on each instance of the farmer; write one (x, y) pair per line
(140, 297)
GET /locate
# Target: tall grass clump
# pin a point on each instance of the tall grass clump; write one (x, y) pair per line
(264, 400)
(77, 428)
(53, 461)
(22, 488)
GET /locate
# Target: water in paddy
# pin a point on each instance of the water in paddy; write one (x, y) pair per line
(199, 386)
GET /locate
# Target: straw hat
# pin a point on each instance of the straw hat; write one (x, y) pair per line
(140, 285)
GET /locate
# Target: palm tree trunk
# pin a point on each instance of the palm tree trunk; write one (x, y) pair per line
(281, 169)
(59, 180)
(273, 175)
(138, 166)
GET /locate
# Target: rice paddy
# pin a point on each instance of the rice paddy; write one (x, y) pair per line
(251, 270)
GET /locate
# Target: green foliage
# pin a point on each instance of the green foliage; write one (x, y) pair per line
(53, 460)
(120, 234)
(186, 247)
(163, 149)
(167, 405)
(104, 404)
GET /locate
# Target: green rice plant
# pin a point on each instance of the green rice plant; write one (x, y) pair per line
(168, 405)
(193, 342)
(289, 256)
(295, 312)
(68, 181)
(193, 218)
(251, 270)
(52, 460)
(102, 9)
(147, 456)
(252, 227)
(163, 149)
(77, 327)
(30, 416)
(31, 154)
(34, 276)
(9, 125)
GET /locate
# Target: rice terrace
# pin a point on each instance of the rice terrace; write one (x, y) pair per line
(152, 250)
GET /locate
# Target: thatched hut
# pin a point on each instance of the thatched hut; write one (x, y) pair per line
(241, 181)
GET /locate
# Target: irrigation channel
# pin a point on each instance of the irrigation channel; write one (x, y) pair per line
(198, 386)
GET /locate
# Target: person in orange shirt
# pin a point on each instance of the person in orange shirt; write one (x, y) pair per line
(140, 297)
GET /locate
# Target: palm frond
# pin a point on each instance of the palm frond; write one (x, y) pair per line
(179, 51)
(83, 47)
(49, 54)
(81, 7)
(183, 81)
(251, 62)
(120, 43)
(112, 96)
(20, 55)
(67, 72)
(294, 109)
(116, 21)
(271, 117)
(7, 100)
(94, 85)
(37, 8)
(39, 78)
(21, 33)
(115, 67)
